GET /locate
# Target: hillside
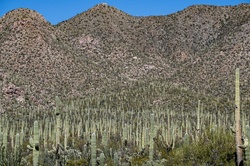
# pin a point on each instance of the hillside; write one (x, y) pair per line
(35, 62)
(104, 51)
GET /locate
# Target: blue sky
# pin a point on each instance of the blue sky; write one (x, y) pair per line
(56, 11)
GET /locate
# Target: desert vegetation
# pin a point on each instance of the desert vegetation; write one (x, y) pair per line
(76, 133)
(91, 131)
(108, 88)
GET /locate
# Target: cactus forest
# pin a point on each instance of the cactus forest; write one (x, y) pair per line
(95, 131)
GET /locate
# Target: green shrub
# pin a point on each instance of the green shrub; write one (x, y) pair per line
(139, 160)
(213, 148)
(80, 162)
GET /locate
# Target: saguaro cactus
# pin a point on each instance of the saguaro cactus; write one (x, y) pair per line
(105, 139)
(116, 159)
(102, 158)
(238, 133)
(34, 144)
(198, 120)
(246, 145)
(58, 121)
(151, 146)
(17, 143)
(93, 149)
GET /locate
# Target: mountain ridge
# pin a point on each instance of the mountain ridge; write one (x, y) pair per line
(104, 48)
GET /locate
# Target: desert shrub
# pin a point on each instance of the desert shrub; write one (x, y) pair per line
(214, 147)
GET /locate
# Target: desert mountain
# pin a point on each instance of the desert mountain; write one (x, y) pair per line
(35, 59)
(104, 50)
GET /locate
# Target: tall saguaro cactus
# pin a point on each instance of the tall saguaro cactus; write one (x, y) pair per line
(198, 120)
(93, 149)
(238, 133)
(58, 121)
(151, 142)
(34, 144)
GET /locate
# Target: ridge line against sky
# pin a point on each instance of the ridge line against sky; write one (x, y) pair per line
(56, 11)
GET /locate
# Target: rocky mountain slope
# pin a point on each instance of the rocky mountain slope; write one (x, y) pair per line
(105, 50)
